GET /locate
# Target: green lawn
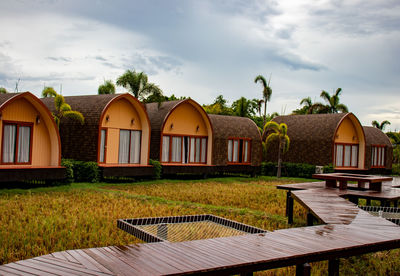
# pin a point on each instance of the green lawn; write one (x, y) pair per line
(39, 221)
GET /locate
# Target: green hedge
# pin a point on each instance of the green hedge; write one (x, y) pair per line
(157, 168)
(80, 171)
(396, 169)
(291, 169)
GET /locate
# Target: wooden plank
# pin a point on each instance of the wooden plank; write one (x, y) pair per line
(50, 268)
(4, 270)
(93, 261)
(26, 269)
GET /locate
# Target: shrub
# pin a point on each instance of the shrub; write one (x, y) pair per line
(268, 168)
(86, 171)
(329, 169)
(396, 169)
(69, 167)
(288, 169)
(157, 168)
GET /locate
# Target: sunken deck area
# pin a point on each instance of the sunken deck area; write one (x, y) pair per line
(347, 231)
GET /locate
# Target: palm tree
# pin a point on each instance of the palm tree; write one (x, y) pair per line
(138, 85)
(277, 132)
(62, 108)
(380, 126)
(333, 105)
(259, 104)
(244, 107)
(107, 87)
(267, 92)
(3, 90)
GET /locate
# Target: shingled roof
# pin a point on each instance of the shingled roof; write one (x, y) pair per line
(311, 138)
(374, 136)
(225, 127)
(5, 97)
(80, 142)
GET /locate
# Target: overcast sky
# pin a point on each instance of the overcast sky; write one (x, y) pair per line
(203, 49)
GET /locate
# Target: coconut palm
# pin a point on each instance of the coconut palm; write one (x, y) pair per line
(267, 92)
(107, 87)
(380, 126)
(244, 107)
(138, 85)
(278, 132)
(333, 105)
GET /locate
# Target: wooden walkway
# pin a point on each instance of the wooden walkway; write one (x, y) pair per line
(348, 231)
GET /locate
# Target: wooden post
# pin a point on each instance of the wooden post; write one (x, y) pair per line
(330, 183)
(354, 199)
(342, 184)
(289, 206)
(368, 201)
(310, 219)
(376, 186)
(303, 269)
(333, 267)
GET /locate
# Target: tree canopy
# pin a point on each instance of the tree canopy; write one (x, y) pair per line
(138, 85)
(107, 87)
(381, 125)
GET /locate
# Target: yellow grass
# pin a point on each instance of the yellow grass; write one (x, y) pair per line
(44, 220)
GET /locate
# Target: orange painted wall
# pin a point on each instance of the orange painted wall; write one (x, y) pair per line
(185, 119)
(22, 110)
(346, 133)
(121, 113)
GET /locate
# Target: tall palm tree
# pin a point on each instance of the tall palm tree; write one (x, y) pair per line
(380, 126)
(259, 104)
(62, 108)
(277, 132)
(267, 92)
(107, 87)
(138, 85)
(333, 105)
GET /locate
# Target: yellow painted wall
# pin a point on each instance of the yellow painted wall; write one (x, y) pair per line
(121, 112)
(346, 132)
(22, 110)
(185, 119)
(350, 131)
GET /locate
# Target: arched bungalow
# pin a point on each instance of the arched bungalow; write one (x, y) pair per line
(29, 139)
(181, 136)
(378, 151)
(322, 139)
(116, 133)
(237, 144)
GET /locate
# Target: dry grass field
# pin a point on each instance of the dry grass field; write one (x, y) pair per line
(41, 220)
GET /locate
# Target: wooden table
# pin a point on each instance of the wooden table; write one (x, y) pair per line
(331, 180)
(387, 195)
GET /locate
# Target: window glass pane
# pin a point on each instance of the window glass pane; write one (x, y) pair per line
(135, 147)
(185, 149)
(339, 155)
(197, 156)
(230, 142)
(235, 150)
(246, 149)
(123, 157)
(102, 144)
(372, 156)
(347, 153)
(203, 150)
(24, 141)
(192, 149)
(376, 156)
(176, 149)
(9, 143)
(165, 149)
(354, 156)
(382, 157)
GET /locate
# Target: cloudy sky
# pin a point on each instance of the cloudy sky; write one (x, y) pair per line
(205, 48)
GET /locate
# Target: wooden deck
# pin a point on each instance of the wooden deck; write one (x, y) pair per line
(348, 231)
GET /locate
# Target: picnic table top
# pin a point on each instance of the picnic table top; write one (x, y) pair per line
(352, 177)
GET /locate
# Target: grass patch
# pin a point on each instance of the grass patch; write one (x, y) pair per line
(40, 220)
